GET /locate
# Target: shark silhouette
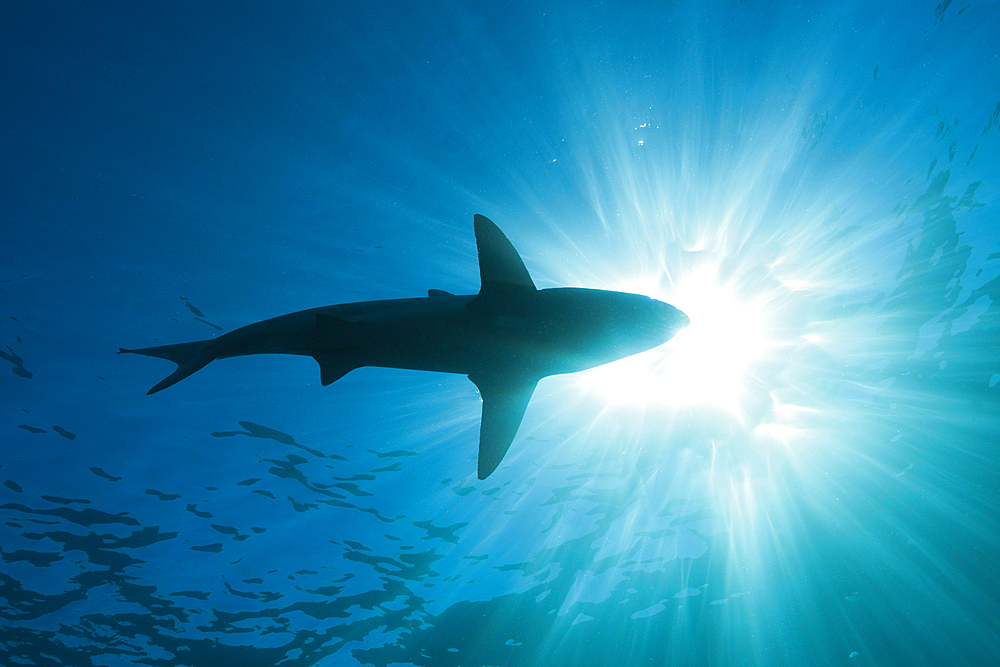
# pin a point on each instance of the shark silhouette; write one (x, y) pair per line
(506, 338)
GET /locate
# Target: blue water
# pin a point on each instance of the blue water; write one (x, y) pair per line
(808, 475)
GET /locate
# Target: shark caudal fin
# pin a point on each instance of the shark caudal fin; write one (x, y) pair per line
(189, 358)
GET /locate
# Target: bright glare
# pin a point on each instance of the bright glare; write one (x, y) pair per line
(708, 363)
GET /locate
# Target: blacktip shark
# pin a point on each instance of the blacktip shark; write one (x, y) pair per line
(506, 338)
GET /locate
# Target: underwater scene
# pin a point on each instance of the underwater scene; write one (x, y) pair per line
(784, 451)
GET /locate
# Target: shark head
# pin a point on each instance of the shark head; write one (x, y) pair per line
(596, 327)
(633, 323)
(664, 320)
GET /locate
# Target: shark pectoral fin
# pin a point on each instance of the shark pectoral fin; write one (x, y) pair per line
(504, 279)
(332, 367)
(504, 401)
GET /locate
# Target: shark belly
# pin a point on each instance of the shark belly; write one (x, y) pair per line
(439, 334)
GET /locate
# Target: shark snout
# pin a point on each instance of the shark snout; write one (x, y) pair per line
(674, 320)
(663, 321)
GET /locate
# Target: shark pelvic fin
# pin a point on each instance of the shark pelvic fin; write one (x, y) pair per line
(332, 367)
(504, 401)
(337, 336)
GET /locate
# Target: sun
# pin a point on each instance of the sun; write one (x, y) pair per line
(708, 363)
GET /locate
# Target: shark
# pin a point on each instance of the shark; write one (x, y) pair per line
(505, 339)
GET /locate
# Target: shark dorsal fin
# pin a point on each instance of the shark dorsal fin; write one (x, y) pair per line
(501, 270)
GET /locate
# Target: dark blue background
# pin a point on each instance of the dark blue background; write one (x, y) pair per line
(170, 171)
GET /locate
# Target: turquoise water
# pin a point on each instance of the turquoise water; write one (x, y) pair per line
(808, 475)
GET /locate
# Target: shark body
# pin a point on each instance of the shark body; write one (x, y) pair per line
(506, 338)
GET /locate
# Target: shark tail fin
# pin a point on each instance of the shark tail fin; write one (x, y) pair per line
(189, 358)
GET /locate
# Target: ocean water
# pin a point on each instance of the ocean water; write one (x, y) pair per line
(807, 475)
